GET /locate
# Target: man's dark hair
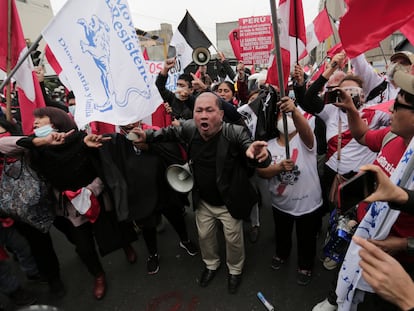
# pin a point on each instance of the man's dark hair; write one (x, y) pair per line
(186, 77)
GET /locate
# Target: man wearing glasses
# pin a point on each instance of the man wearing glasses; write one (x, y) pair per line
(390, 143)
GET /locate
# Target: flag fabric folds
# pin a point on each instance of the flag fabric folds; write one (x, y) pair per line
(28, 88)
(185, 40)
(99, 52)
(380, 18)
(234, 38)
(408, 31)
(85, 202)
(318, 31)
(292, 39)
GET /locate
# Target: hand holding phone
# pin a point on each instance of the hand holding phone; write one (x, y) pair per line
(355, 190)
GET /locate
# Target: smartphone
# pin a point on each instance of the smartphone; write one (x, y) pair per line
(331, 96)
(355, 190)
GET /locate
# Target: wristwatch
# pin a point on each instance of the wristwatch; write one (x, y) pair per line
(410, 245)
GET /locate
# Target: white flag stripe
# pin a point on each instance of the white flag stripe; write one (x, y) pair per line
(184, 51)
(23, 76)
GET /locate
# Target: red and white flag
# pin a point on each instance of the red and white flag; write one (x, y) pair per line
(53, 62)
(318, 31)
(380, 19)
(292, 36)
(85, 202)
(28, 87)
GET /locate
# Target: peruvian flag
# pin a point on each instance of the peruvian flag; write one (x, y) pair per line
(85, 202)
(329, 54)
(380, 19)
(318, 31)
(292, 36)
(53, 62)
(234, 38)
(28, 87)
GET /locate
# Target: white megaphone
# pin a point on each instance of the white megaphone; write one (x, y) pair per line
(180, 178)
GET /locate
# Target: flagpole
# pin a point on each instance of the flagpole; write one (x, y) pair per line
(296, 32)
(383, 54)
(9, 51)
(278, 55)
(21, 61)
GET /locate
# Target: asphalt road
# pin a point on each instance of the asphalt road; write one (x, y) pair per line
(175, 288)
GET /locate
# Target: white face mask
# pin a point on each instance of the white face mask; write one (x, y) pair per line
(290, 125)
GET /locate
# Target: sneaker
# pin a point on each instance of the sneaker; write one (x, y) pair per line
(329, 264)
(22, 297)
(153, 264)
(303, 277)
(325, 306)
(189, 246)
(277, 263)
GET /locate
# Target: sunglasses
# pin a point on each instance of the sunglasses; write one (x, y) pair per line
(397, 105)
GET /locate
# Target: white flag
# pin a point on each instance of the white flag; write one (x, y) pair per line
(99, 51)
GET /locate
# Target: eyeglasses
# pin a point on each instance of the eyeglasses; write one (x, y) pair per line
(397, 105)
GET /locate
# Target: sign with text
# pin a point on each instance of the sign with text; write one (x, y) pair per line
(256, 37)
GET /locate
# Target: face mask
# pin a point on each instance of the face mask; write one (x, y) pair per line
(178, 95)
(290, 125)
(43, 131)
(72, 109)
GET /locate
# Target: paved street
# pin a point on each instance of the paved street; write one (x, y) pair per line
(175, 286)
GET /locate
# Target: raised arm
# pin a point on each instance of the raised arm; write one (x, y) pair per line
(302, 126)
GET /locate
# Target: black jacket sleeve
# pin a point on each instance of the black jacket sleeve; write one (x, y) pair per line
(312, 103)
(166, 94)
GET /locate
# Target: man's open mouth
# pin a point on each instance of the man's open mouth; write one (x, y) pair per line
(204, 125)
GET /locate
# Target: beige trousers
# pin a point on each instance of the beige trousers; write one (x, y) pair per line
(207, 225)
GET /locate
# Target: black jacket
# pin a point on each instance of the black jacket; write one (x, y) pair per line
(232, 165)
(180, 109)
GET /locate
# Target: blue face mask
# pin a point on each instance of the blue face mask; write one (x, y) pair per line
(43, 131)
(72, 109)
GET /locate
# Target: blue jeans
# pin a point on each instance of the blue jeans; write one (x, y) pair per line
(18, 245)
(8, 282)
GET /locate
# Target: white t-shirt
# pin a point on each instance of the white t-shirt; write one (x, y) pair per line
(352, 154)
(297, 192)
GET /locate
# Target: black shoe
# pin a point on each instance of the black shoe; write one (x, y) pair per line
(153, 264)
(206, 277)
(22, 297)
(233, 283)
(190, 247)
(57, 288)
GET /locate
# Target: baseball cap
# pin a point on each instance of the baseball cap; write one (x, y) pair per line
(405, 81)
(408, 56)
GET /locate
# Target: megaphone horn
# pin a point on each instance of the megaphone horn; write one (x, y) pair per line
(180, 178)
(201, 56)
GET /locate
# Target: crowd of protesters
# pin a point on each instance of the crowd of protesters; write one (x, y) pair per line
(234, 134)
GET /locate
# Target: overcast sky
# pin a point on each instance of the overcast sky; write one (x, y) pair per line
(149, 14)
